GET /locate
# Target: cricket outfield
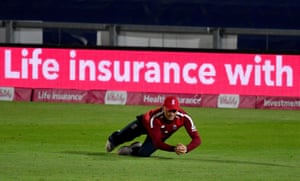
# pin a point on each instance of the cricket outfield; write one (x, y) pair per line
(60, 141)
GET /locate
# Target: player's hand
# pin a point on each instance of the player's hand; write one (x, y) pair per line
(180, 149)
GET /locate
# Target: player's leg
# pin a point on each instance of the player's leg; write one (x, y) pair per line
(146, 149)
(138, 149)
(127, 150)
(128, 133)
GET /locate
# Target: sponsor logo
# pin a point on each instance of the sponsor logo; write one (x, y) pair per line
(60, 95)
(7, 93)
(282, 103)
(183, 100)
(115, 97)
(228, 101)
(174, 126)
(157, 99)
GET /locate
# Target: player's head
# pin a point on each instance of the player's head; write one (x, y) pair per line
(170, 107)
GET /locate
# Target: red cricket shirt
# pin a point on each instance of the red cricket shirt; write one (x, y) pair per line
(159, 129)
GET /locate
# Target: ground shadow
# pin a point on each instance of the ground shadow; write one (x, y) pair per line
(85, 153)
(245, 162)
(195, 159)
(105, 154)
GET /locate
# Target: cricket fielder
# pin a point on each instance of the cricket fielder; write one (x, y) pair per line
(158, 124)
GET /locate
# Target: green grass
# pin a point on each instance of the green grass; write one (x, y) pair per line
(57, 141)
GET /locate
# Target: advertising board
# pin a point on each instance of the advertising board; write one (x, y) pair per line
(157, 71)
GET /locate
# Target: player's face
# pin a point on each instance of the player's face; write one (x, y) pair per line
(170, 114)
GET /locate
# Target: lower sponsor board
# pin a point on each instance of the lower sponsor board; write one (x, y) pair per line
(135, 98)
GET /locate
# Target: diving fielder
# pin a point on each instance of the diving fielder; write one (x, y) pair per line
(158, 124)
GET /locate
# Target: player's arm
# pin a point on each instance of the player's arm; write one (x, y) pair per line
(193, 133)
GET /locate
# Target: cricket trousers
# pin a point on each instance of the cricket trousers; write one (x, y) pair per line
(129, 133)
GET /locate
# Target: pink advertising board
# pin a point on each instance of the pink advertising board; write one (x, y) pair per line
(151, 71)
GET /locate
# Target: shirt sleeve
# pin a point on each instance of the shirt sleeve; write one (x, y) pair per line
(193, 133)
